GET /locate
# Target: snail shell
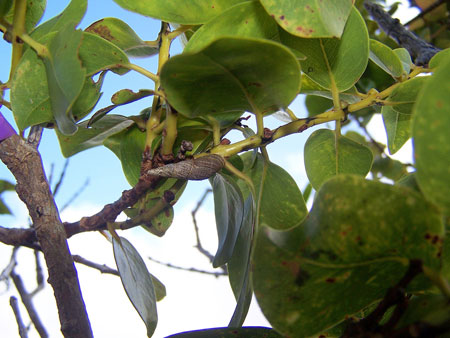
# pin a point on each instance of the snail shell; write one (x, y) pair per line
(191, 169)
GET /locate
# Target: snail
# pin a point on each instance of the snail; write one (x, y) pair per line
(191, 169)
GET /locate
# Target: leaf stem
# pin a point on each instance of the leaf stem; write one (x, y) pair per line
(170, 134)
(141, 70)
(241, 175)
(259, 123)
(177, 32)
(20, 10)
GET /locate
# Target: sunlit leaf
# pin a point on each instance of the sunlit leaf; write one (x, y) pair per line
(123, 36)
(229, 212)
(178, 11)
(232, 74)
(34, 12)
(310, 19)
(405, 59)
(385, 58)
(137, 282)
(343, 59)
(248, 19)
(439, 58)
(324, 159)
(431, 135)
(356, 242)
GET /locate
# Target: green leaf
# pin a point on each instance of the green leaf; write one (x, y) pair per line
(4, 210)
(322, 162)
(355, 244)
(179, 11)
(123, 36)
(98, 54)
(5, 186)
(389, 168)
(88, 98)
(232, 74)
(282, 205)
(128, 146)
(310, 19)
(239, 265)
(248, 19)
(243, 332)
(385, 58)
(74, 12)
(439, 58)
(137, 282)
(317, 104)
(125, 96)
(347, 57)
(430, 130)
(86, 138)
(405, 59)
(65, 76)
(34, 12)
(229, 212)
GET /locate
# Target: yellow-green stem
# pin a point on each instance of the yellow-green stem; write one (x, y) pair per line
(180, 30)
(259, 123)
(170, 134)
(241, 175)
(142, 71)
(215, 129)
(20, 10)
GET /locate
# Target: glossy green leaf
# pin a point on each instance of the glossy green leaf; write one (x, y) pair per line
(346, 57)
(309, 87)
(232, 74)
(137, 282)
(65, 76)
(229, 212)
(310, 19)
(355, 244)
(430, 129)
(282, 205)
(123, 36)
(88, 98)
(159, 224)
(439, 58)
(93, 136)
(98, 54)
(322, 162)
(243, 332)
(385, 58)
(248, 19)
(178, 11)
(128, 146)
(239, 265)
(125, 96)
(74, 12)
(405, 59)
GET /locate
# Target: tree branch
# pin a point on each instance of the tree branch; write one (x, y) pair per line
(23, 332)
(420, 51)
(25, 163)
(100, 267)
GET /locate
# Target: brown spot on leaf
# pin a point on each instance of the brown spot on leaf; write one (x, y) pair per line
(256, 84)
(330, 280)
(281, 17)
(435, 239)
(309, 9)
(302, 277)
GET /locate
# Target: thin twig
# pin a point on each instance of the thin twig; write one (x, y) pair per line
(61, 178)
(23, 331)
(426, 11)
(75, 195)
(372, 140)
(100, 267)
(420, 50)
(194, 221)
(169, 265)
(27, 302)
(39, 275)
(4, 276)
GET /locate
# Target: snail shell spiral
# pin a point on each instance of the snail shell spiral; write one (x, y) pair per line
(191, 169)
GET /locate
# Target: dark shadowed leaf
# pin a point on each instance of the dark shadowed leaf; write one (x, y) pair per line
(239, 265)
(356, 243)
(88, 137)
(310, 19)
(243, 332)
(35, 9)
(229, 212)
(137, 282)
(128, 146)
(123, 36)
(430, 130)
(232, 74)
(178, 11)
(322, 162)
(343, 60)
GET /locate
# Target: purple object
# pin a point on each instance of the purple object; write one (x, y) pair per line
(5, 128)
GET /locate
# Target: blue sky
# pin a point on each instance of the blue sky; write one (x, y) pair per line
(201, 301)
